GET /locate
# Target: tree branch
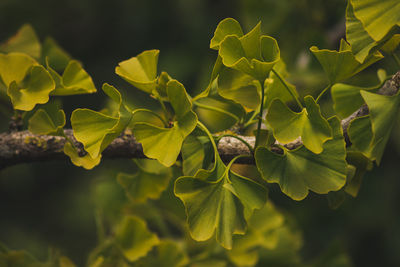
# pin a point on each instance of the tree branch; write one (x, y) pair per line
(25, 147)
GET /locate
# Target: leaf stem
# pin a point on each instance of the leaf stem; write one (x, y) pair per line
(323, 92)
(204, 128)
(260, 115)
(238, 138)
(288, 89)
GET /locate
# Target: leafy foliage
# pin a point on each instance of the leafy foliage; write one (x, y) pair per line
(249, 93)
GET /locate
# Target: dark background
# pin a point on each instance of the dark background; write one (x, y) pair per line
(51, 203)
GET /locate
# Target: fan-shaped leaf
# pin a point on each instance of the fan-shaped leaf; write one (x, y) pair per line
(164, 144)
(96, 130)
(14, 67)
(239, 87)
(47, 123)
(300, 170)
(148, 182)
(377, 16)
(341, 65)
(219, 200)
(274, 88)
(85, 161)
(347, 98)
(134, 238)
(140, 71)
(166, 254)
(57, 58)
(226, 27)
(262, 232)
(24, 41)
(74, 80)
(34, 89)
(371, 133)
(309, 124)
(252, 54)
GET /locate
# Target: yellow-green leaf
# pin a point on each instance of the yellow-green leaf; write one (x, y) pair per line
(140, 71)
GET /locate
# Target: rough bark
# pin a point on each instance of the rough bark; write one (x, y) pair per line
(24, 147)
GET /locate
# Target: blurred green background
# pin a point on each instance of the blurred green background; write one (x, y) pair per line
(51, 204)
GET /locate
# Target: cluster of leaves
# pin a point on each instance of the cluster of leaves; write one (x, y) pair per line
(248, 91)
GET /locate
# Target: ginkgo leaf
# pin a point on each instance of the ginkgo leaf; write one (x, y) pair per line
(371, 133)
(362, 44)
(56, 57)
(74, 80)
(359, 39)
(34, 89)
(24, 41)
(347, 98)
(140, 71)
(216, 200)
(239, 87)
(274, 88)
(96, 130)
(196, 154)
(149, 181)
(341, 65)
(391, 45)
(168, 253)
(14, 67)
(226, 27)
(377, 16)
(134, 238)
(262, 233)
(298, 171)
(216, 112)
(85, 161)
(252, 53)
(308, 124)
(51, 123)
(164, 144)
(219, 200)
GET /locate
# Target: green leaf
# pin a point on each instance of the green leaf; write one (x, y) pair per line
(14, 67)
(362, 165)
(134, 238)
(347, 98)
(370, 134)
(218, 200)
(57, 57)
(140, 71)
(216, 112)
(226, 27)
(262, 232)
(34, 89)
(149, 181)
(308, 124)
(252, 53)
(96, 130)
(196, 154)
(299, 170)
(164, 144)
(167, 254)
(74, 80)
(47, 123)
(239, 87)
(85, 161)
(24, 41)
(391, 45)
(357, 36)
(274, 88)
(377, 16)
(341, 65)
